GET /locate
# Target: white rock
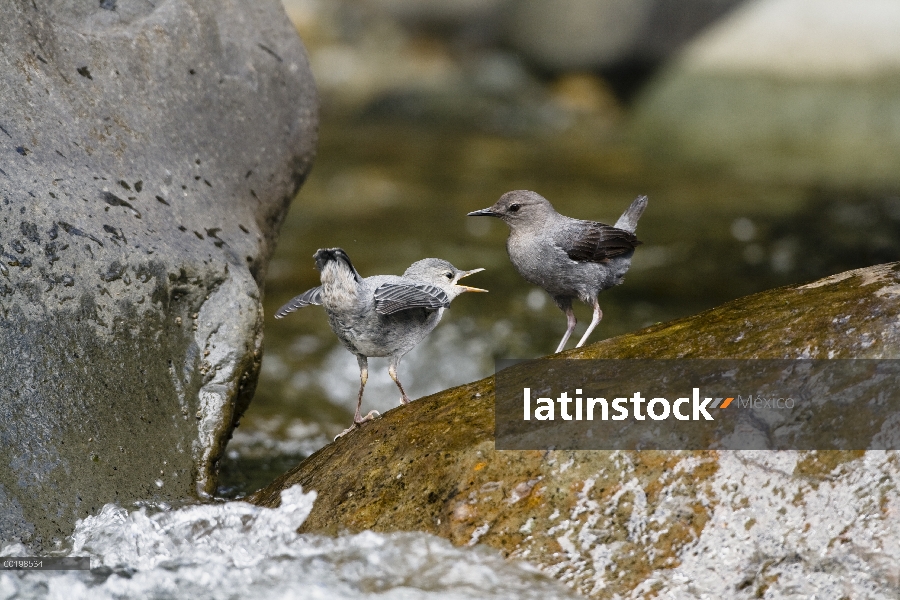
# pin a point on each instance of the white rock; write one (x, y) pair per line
(799, 91)
(803, 39)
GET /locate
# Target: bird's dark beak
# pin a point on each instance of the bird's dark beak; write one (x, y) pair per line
(466, 288)
(484, 212)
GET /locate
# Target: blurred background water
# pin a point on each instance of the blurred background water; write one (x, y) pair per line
(765, 133)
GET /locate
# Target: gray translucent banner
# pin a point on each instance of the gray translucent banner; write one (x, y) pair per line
(697, 404)
(44, 563)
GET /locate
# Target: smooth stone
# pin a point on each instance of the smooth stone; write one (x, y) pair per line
(576, 34)
(587, 35)
(626, 523)
(442, 13)
(148, 153)
(800, 91)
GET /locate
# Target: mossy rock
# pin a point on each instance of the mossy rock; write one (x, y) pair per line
(628, 523)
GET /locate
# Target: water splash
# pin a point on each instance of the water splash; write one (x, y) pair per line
(237, 550)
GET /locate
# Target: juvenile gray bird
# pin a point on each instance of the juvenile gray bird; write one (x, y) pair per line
(569, 258)
(382, 315)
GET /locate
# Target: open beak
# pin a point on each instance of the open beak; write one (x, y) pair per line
(484, 212)
(466, 288)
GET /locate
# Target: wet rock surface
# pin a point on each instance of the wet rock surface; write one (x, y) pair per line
(627, 524)
(148, 153)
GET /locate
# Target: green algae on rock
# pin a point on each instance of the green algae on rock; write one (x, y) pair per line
(636, 523)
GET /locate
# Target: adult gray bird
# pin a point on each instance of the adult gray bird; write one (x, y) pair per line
(569, 258)
(382, 315)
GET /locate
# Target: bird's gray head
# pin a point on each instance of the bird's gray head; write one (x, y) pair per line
(519, 208)
(442, 274)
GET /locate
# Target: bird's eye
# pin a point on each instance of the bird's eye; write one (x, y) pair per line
(514, 207)
(448, 275)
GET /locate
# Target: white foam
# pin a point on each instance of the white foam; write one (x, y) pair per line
(237, 550)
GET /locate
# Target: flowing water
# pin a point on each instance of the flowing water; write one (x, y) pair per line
(234, 550)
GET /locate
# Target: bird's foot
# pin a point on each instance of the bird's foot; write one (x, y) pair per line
(345, 432)
(373, 414)
(404, 399)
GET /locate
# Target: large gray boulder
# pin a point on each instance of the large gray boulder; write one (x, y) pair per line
(148, 152)
(791, 90)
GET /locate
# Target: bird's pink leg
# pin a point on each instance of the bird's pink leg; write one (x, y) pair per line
(392, 371)
(598, 314)
(571, 322)
(358, 420)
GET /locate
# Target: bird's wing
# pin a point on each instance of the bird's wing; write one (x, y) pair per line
(307, 298)
(589, 241)
(396, 296)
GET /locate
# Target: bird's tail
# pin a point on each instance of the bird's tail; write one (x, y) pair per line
(340, 280)
(323, 256)
(628, 220)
